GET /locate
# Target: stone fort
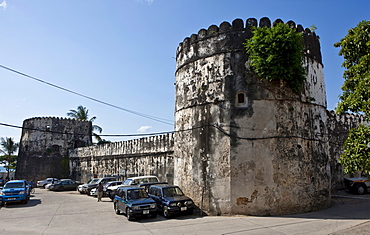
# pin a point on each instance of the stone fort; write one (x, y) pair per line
(241, 145)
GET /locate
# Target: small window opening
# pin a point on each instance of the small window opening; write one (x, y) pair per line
(241, 99)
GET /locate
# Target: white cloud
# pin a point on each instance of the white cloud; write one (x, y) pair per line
(144, 129)
(150, 2)
(3, 4)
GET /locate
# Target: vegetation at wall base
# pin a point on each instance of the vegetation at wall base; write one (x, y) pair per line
(276, 54)
(356, 156)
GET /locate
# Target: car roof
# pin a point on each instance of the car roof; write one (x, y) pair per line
(143, 177)
(17, 181)
(127, 187)
(163, 186)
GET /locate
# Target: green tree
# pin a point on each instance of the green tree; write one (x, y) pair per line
(8, 147)
(355, 49)
(276, 54)
(82, 113)
(356, 156)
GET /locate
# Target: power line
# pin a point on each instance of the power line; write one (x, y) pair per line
(70, 133)
(162, 120)
(216, 126)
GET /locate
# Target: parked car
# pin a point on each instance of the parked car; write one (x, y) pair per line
(170, 199)
(85, 188)
(106, 188)
(15, 191)
(43, 183)
(360, 185)
(133, 181)
(141, 179)
(64, 184)
(134, 202)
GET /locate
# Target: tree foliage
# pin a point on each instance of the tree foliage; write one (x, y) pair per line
(356, 156)
(276, 54)
(8, 147)
(355, 49)
(82, 113)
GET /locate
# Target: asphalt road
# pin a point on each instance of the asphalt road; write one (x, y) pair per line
(71, 213)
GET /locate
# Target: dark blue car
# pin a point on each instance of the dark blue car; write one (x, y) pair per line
(171, 200)
(15, 191)
(134, 202)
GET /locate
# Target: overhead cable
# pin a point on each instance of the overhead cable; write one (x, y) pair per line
(162, 120)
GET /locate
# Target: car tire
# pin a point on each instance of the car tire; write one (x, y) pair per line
(25, 201)
(2, 203)
(44, 186)
(360, 189)
(128, 215)
(166, 213)
(190, 212)
(118, 212)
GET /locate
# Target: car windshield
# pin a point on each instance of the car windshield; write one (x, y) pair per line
(172, 192)
(127, 182)
(93, 181)
(136, 194)
(14, 185)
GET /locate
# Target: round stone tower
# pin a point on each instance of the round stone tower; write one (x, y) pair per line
(244, 145)
(44, 146)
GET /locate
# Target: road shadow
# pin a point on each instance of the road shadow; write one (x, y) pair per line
(344, 205)
(31, 203)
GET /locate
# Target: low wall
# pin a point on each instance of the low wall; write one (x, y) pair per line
(145, 156)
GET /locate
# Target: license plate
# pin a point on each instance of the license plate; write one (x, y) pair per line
(12, 199)
(184, 208)
(145, 212)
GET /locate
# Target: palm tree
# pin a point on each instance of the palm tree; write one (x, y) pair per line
(8, 147)
(82, 113)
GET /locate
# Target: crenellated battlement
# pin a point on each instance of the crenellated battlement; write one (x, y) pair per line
(54, 118)
(230, 37)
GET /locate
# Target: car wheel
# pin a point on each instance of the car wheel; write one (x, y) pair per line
(360, 189)
(25, 201)
(44, 186)
(118, 212)
(166, 213)
(128, 215)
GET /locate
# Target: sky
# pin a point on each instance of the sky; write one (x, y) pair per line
(122, 53)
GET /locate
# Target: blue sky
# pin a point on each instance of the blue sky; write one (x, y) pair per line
(123, 52)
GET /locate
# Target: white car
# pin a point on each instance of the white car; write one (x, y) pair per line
(43, 183)
(131, 182)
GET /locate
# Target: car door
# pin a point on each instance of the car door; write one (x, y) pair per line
(121, 202)
(155, 194)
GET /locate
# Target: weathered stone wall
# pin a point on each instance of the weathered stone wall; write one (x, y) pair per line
(259, 156)
(338, 129)
(44, 146)
(145, 156)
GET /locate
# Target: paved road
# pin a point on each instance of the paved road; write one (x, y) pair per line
(71, 213)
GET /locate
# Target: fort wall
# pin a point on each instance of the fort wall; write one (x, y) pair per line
(248, 145)
(146, 156)
(44, 146)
